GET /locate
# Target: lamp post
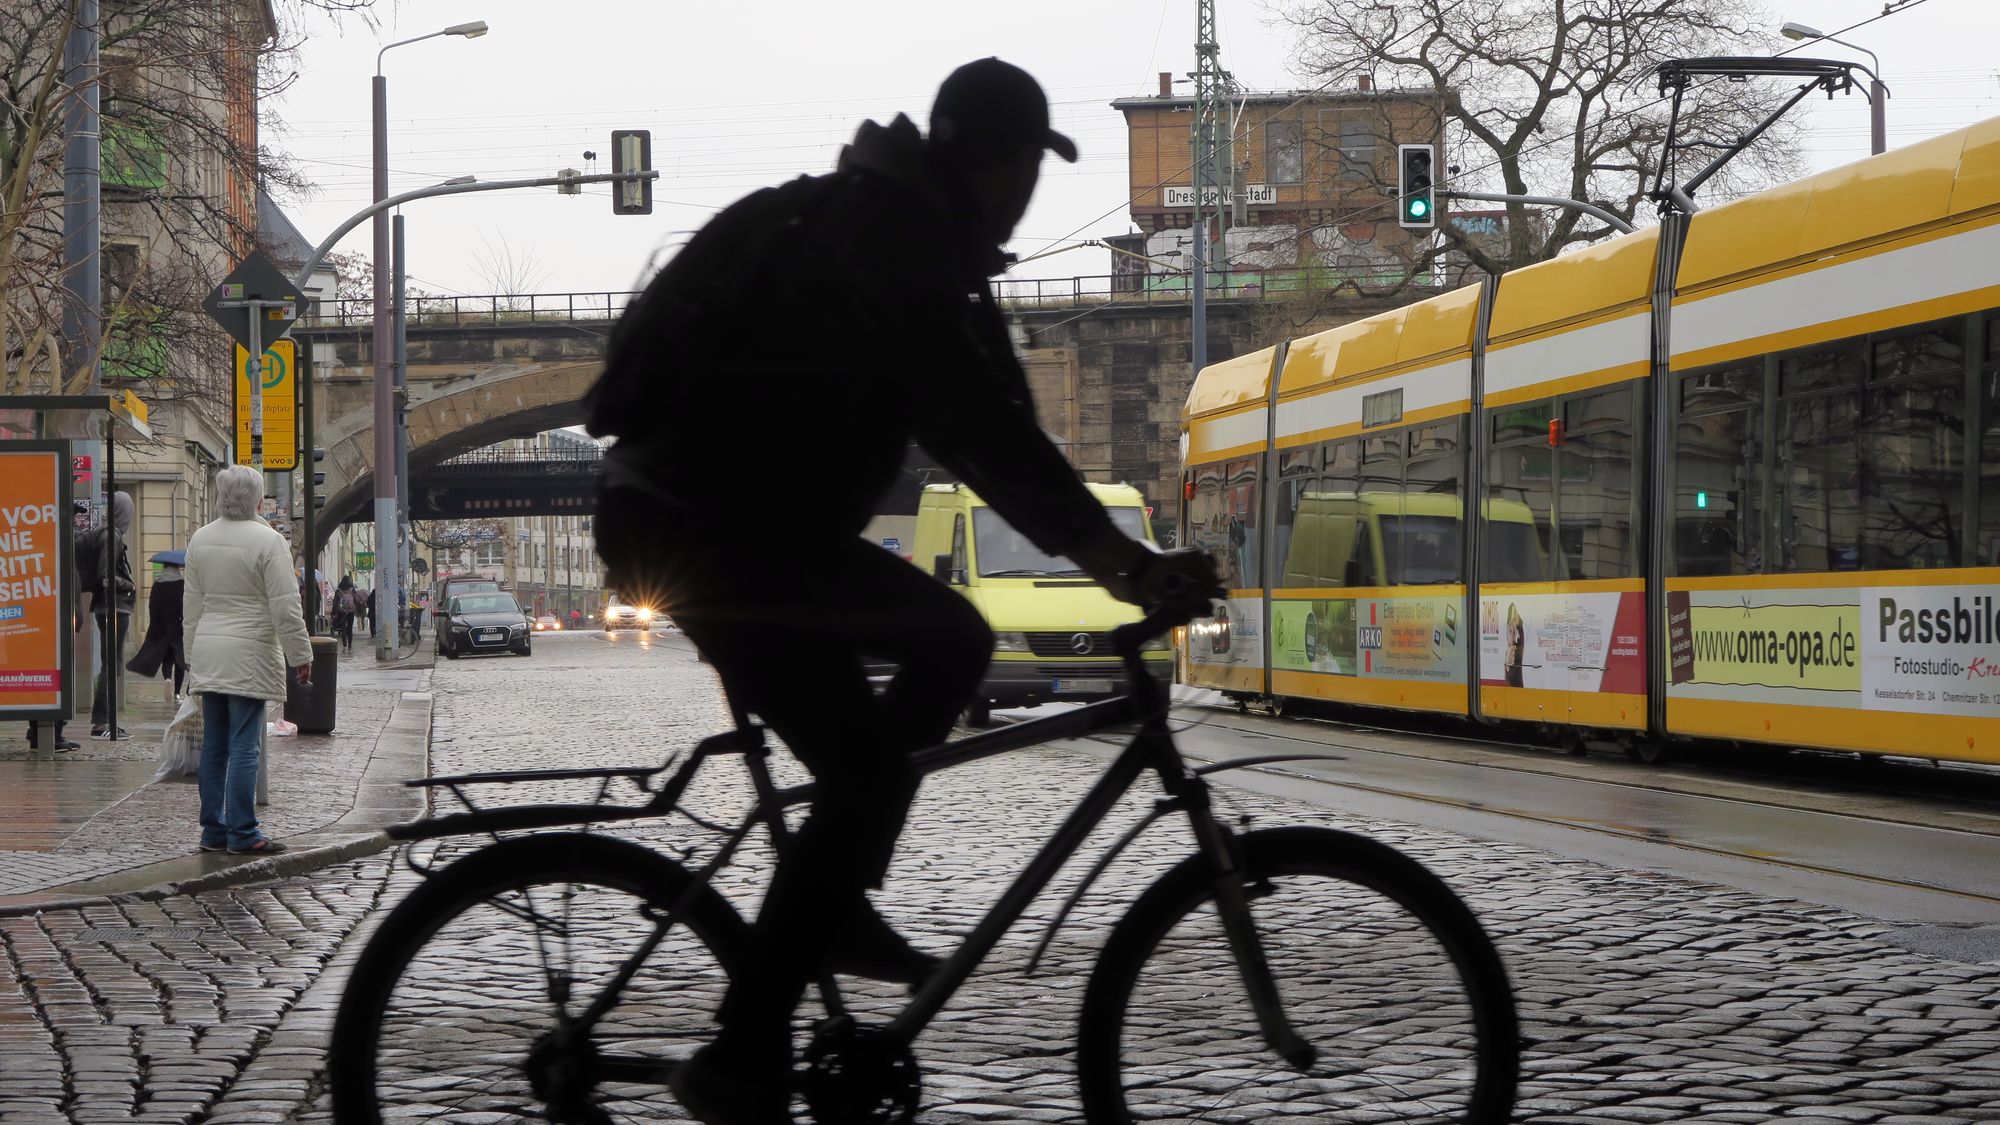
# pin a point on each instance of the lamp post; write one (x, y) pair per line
(1877, 92)
(386, 483)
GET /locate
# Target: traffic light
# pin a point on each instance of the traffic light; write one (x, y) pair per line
(1416, 195)
(319, 474)
(631, 151)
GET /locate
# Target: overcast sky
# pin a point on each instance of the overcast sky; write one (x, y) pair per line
(753, 93)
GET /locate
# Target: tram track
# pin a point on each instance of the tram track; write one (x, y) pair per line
(1890, 842)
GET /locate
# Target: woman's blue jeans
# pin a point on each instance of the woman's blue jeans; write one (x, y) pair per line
(232, 729)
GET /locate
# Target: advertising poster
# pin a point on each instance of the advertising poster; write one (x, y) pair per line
(1931, 650)
(1232, 638)
(33, 640)
(1378, 638)
(1564, 642)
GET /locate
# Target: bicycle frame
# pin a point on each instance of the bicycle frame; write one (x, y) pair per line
(1152, 749)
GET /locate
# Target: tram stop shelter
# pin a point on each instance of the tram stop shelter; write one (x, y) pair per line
(57, 459)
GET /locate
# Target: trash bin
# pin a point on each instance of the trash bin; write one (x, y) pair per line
(311, 705)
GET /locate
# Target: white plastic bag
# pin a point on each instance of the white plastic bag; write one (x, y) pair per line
(180, 745)
(283, 728)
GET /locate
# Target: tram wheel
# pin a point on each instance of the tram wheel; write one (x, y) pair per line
(1651, 751)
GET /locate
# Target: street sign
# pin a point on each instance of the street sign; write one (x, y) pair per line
(280, 391)
(364, 561)
(255, 278)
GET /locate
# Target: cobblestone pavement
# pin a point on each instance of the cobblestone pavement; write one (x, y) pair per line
(83, 813)
(1644, 997)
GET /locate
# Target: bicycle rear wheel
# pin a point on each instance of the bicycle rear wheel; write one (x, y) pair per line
(1378, 965)
(459, 1007)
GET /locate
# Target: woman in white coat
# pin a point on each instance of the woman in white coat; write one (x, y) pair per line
(243, 628)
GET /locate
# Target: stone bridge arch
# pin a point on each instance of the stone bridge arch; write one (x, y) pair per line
(468, 386)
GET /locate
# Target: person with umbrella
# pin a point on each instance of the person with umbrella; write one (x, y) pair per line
(161, 651)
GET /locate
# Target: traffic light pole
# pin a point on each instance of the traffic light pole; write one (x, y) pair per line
(326, 246)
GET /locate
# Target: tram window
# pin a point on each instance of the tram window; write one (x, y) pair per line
(1912, 454)
(1297, 477)
(1826, 369)
(1240, 500)
(1938, 350)
(1382, 500)
(1530, 420)
(1719, 508)
(1720, 388)
(1428, 533)
(1208, 517)
(1597, 518)
(1519, 497)
(1343, 467)
(1819, 485)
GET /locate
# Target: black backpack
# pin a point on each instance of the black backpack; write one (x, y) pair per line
(683, 315)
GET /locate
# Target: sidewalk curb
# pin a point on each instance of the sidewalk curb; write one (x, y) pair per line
(409, 720)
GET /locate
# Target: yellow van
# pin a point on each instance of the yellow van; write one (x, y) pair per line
(1051, 624)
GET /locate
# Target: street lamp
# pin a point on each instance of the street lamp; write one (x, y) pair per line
(1877, 92)
(386, 483)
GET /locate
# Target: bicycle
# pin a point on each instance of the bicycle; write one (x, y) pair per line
(1189, 969)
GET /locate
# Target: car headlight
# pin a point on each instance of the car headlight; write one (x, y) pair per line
(645, 614)
(1157, 644)
(458, 627)
(521, 627)
(1010, 642)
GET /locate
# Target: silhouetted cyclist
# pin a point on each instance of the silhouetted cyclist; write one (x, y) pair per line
(763, 391)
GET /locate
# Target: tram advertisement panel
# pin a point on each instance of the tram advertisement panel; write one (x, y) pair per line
(1401, 639)
(1383, 638)
(1227, 650)
(1918, 649)
(1592, 642)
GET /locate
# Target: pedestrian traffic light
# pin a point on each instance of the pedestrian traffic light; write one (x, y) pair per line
(1416, 195)
(631, 151)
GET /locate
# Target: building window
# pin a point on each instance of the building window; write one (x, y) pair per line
(1357, 147)
(1284, 152)
(490, 554)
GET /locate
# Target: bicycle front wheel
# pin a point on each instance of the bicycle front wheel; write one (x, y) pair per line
(1378, 966)
(466, 1004)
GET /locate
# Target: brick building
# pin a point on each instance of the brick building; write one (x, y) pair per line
(1308, 181)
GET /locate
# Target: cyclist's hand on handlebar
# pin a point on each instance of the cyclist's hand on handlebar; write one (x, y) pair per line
(1183, 580)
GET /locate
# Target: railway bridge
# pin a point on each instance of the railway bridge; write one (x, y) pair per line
(1109, 367)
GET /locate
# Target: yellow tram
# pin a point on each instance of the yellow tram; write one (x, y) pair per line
(1730, 476)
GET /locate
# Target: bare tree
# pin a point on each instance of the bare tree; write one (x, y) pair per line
(179, 85)
(511, 276)
(1546, 97)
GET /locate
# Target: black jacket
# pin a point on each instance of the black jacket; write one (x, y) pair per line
(90, 570)
(161, 650)
(798, 344)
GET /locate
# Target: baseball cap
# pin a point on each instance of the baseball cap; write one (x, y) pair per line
(992, 106)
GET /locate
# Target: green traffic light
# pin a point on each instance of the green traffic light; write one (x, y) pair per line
(1420, 208)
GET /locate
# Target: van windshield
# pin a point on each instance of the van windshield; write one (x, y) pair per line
(1006, 553)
